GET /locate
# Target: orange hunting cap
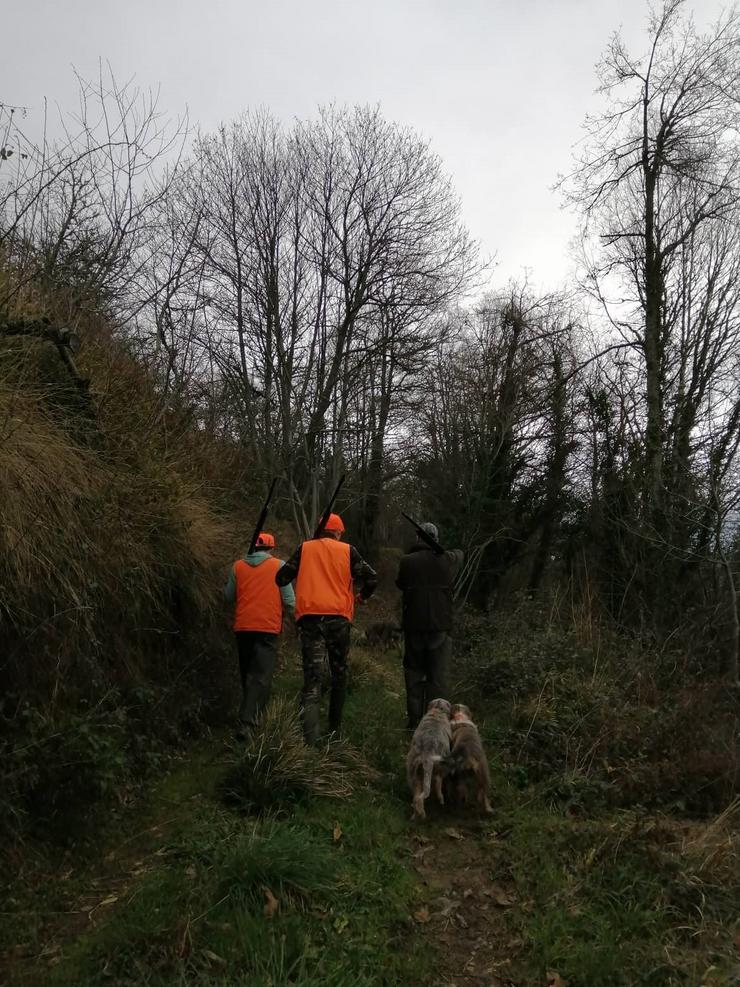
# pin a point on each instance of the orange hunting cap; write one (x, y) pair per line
(334, 523)
(265, 540)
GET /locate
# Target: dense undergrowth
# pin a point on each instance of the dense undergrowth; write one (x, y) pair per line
(594, 718)
(616, 766)
(272, 865)
(116, 524)
(266, 864)
(617, 771)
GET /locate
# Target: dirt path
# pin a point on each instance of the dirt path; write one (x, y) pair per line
(462, 917)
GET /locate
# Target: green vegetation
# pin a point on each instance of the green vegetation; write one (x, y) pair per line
(305, 890)
(114, 534)
(162, 362)
(264, 866)
(277, 769)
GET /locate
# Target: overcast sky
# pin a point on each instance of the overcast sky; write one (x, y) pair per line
(499, 87)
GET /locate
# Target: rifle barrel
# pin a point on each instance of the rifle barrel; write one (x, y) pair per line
(325, 516)
(261, 518)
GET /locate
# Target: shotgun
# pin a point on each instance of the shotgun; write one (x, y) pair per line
(325, 516)
(261, 519)
(424, 535)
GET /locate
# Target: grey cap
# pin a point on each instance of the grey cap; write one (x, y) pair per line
(431, 529)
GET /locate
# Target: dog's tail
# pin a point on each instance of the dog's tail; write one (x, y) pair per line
(428, 767)
(452, 763)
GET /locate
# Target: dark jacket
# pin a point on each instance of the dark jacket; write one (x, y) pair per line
(364, 577)
(426, 580)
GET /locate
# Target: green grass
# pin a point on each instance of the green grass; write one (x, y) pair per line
(196, 915)
(605, 895)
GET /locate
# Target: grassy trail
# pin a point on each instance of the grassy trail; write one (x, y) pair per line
(186, 889)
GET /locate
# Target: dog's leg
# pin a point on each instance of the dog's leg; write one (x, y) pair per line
(481, 777)
(437, 784)
(484, 803)
(418, 803)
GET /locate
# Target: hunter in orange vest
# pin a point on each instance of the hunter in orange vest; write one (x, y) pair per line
(330, 576)
(258, 620)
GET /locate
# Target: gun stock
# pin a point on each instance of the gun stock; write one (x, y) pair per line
(424, 535)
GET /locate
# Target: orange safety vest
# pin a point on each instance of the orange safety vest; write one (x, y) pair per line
(259, 605)
(324, 582)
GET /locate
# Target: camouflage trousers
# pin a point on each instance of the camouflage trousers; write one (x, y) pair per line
(322, 636)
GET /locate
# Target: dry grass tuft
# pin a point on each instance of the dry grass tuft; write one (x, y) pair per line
(109, 540)
(115, 536)
(278, 768)
(712, 851)
(365, 667)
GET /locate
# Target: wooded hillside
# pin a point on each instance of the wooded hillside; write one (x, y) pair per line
(186, 316)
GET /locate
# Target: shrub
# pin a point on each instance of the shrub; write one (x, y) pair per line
(601, 721)
(277, 767)
(114, 537)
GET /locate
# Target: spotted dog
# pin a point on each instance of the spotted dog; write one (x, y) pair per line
(429, 745)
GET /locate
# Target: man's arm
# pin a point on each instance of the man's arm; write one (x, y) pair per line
(288, 595)
(401, 577)
(289, 570)
(364, 576)
(230, 588)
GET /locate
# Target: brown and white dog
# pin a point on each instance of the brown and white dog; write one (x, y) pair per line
(466, 763)
(429, 745)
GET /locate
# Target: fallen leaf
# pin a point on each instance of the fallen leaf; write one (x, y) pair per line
(271, 903)
(554, 979)
(420, 838)
(111, 899)
(337, 832)
(448, 905)
(422, 851)
(500, 897)
(455, 834)
(422, 916)
(191, 872)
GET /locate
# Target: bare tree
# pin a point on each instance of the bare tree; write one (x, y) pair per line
(327, 251)
(659, 179)
(493, 434)
(659, 185)
(76, 215)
